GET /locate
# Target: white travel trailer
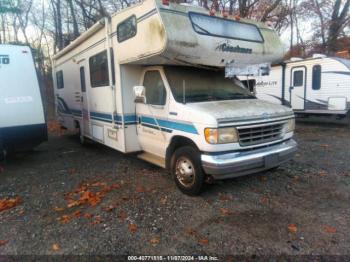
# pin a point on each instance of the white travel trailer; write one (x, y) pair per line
(317, 85)
(22, 121)
(151, 79)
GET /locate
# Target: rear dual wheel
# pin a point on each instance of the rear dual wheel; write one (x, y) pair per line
(187, 171)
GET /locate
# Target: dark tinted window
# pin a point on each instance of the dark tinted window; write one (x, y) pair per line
(82, 79)
(99, 70)
(298, 78)
(127, 29)
(155, 90)
(59, 80)
(316, 77)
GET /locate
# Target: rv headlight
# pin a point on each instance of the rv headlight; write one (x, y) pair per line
(289, 126)
(221, 135)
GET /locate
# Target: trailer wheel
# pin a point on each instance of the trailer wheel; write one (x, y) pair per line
(187, 171)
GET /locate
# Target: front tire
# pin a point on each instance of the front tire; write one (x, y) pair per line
(187, 171)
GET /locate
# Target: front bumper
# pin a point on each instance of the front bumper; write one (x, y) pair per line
(228, 165)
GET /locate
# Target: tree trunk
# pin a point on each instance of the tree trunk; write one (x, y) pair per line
(74, 19)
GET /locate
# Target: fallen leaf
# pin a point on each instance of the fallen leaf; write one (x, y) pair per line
(77, 214)
(292, 228)
(155, 240)
(8, 203)
(140, 189)
(330, 229)
(3, 242)
(74, 203)
(122, 215)
(191, 231)
(58, 209)
(264, 200)
(225, 211)
(55, 247)
(163, 200)
(88, 215)
(203, 241)
(132, 228)
(65, 219)
(263, 178)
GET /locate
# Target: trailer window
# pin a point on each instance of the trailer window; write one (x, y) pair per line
(316, 77)
(216, 26)
(155, 89)
(99, 70)
(82, 79)
(59, 80)
(298, 78)
(127, 29)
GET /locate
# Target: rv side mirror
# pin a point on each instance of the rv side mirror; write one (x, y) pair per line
(139, 92)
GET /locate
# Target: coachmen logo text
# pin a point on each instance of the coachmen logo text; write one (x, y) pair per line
(226, 47)
(4, 60)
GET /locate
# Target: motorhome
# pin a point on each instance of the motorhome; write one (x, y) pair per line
(316, 85)
(22, 120)
(151, 79)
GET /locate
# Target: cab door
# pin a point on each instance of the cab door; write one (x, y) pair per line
(152, 115)
(84, 103)
(297, 87)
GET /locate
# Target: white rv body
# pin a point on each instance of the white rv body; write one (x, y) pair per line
(323, 86)
(22, 121)
(98, 75)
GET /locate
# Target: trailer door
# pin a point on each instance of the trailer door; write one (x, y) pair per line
(297, 87)
(152, 114)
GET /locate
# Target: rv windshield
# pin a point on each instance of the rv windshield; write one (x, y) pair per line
(190, 85)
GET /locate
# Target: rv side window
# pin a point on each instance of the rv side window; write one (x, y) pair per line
(127, 29)
(99, 70)
(316, 77)
(155, 90)
(59, 80)
(82, 79)
(298, 78)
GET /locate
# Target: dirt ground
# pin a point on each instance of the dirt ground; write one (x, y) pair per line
(94, 200)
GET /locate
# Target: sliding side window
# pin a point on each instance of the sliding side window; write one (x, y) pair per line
(316, 77)
(127, 29)
(59, 80)
(99, 70)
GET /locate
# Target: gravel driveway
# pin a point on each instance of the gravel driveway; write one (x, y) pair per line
(94, 200)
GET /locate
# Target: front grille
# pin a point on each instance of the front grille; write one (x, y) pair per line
(259, 134)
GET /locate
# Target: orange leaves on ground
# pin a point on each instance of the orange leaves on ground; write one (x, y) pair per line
(200, 239)
(225, 211)
(140, 189)
(329, 229)
(155, 240)
(203, 241)
(163, 200)
(132, 228)
(54, 128)
(65, 219)
(8, 203)
(58, 209)
(88, 194)
(55, 247)
(3, 242)
(292, 228)
(264, 200)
